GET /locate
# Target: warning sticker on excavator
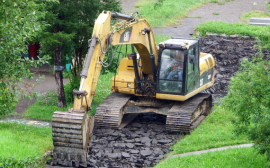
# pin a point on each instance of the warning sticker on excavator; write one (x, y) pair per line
(126, 35)
(201, 82)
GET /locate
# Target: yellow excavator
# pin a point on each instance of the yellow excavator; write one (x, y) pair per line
(166, 79)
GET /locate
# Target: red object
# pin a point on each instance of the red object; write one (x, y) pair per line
(33, 49)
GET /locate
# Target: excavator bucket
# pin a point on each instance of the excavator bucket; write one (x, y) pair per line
(72, 133)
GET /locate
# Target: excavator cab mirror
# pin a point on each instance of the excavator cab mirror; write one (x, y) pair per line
(191, 59)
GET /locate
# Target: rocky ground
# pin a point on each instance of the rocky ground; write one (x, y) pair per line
(228, 53)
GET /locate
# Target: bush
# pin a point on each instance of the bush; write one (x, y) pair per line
(249, 99)
(74, 84)
(50, 99)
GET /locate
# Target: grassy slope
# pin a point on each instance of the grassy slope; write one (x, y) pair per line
(233, 158)
(21, 141)
(233, 28)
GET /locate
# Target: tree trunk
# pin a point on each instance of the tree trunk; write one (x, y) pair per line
(59, 78)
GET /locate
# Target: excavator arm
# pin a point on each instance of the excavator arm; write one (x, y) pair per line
(72, 131)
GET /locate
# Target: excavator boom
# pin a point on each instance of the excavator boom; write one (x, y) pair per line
(72, 130)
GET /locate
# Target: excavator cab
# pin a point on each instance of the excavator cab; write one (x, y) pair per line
(178, 71)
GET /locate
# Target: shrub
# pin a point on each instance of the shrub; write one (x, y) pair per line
(50, 99)
(74, 84)
(249, 99)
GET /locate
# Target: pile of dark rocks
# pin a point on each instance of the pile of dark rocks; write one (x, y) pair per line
(228, 53)
(141, 143)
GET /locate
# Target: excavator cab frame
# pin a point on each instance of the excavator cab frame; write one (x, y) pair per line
(189, 71)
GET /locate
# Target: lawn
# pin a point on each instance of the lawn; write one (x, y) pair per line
(24, 141)
(232, 158)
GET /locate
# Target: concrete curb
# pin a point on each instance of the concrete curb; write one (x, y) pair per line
(209, 150)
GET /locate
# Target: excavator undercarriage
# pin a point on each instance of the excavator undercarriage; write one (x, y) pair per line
(117, 110)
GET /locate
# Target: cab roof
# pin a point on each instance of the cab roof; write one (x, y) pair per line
(179, 43)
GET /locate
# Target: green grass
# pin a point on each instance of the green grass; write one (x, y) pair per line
(260, 32)
(21, 141)
(233, 28)
(233, 158)
(103, 90)
(215, 131)
(41, 112)
(168, 12)
(245, 17)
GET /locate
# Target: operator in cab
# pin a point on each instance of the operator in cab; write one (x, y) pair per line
(176, 64)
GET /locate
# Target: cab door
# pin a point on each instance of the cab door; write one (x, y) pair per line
(192, 69)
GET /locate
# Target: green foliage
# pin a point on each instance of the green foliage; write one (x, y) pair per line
(12, 162)
(232, 158)
(19, 24)
(249, 99)
(70, 26)
(215, 131)
(261, 32)
(267, 5)
(74, 84)
(50, 99)
(74, 21)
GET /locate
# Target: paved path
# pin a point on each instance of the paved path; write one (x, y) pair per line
(43, 87)
(209, 150)
(229, 12)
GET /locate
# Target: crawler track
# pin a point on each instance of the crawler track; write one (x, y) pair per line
(183, 114)
(109, 113)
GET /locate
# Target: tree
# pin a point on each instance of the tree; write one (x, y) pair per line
(249, 99)
(71, 24)
(19, 24)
